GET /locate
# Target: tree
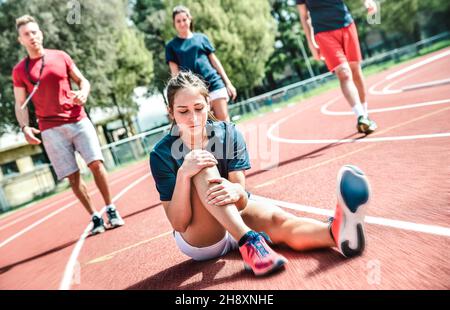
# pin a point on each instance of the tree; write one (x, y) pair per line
(134, 67)
(410, 17)
(149, 16)
(405, 20)
(90, 31)
(287, 51)
(242, 32)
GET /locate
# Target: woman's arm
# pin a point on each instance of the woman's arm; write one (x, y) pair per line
(229, 191)
(215, 62)
(238, 177)
(174, 69)
(178, 210)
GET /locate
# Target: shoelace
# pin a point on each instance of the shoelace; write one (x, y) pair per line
(257, 244)
(266, 236)
(112, 214)
(97, 222)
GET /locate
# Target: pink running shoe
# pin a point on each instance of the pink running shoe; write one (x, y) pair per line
(258, 256)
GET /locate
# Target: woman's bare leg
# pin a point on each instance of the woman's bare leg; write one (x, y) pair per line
(228, 216)
(285, 228)
(209, 223)
(203, 230)
(220, 109)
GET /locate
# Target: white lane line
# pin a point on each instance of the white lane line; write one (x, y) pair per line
(417, 65)
(374, 91)
(70, 266)
(387, 91)
(363, 140)
(57, 211)
(427, 84)
(38, 206)
(29, 214)
(403, 225)
(388, 88)
(273, 137)
(42, 220)
(324, 108)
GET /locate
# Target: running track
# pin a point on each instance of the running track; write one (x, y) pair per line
(407, 161)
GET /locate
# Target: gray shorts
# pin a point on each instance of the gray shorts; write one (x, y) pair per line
(61, 143)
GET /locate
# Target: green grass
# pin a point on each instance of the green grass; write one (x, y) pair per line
(435, 47)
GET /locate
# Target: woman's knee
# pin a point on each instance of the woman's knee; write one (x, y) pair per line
(278, 218)
(220, 109)
(207, 173)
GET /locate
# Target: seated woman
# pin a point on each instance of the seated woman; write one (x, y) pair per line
(199, 173)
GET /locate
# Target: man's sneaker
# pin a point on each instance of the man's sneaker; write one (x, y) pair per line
(366, 125)
(98, 225)
(114, 218)
(373, 126)
(258, 256)
(347, 227)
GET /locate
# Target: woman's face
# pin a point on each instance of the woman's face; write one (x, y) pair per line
(182, 22)
(190, 111)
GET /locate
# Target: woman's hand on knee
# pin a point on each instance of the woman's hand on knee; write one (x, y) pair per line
(196, 160)
(223, 192)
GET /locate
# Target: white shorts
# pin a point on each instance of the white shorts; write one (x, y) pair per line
(61, 143)
(221, 93)
(219, 249)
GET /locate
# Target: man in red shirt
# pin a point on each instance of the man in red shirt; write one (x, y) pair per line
(43, 78)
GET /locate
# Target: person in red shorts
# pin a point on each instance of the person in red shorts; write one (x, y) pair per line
(43, 79)
(332, 37)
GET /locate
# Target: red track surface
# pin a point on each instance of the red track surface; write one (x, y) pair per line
(409, 178)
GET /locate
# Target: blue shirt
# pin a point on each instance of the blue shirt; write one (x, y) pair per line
(192, 55)
(225, 142)
(327, 15)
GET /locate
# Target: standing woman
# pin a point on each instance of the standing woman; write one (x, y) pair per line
(190, 51)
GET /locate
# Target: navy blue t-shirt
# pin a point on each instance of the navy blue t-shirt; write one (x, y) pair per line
(327, 15)
(192, 55)
(225, 142)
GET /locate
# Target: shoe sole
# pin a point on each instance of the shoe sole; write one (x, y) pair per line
(366, 129)
(353, 196)
(362, 128)
(372, 128)
(278, 265)
(98, 231)
(116, 224)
